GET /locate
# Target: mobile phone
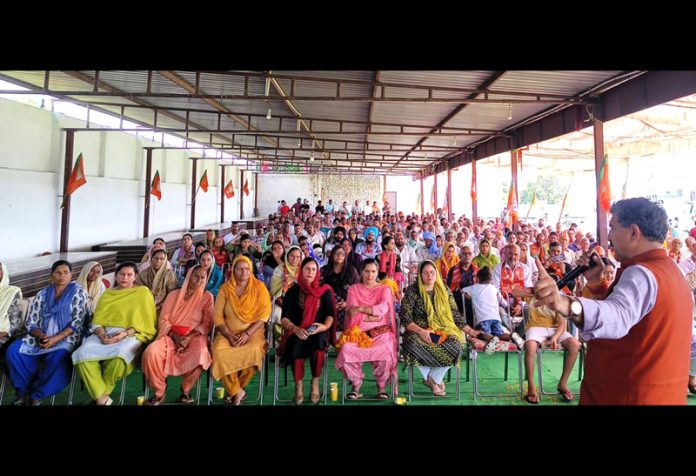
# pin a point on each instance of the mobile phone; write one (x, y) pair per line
(557, 259)
(435, 338)
(312, 328)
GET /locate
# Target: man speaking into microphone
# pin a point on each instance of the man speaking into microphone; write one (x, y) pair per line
(639, 329)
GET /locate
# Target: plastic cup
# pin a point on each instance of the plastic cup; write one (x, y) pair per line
(220, 393)
(400, 400)
(141, 400)
(334, 393)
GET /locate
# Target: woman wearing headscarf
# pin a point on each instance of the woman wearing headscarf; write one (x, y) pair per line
(90, 279)
(181, 347)
(527, 259)
(434, 339)
(242, 308)
(158, 243)
(485, 257)
(340, 274)
(207, 262)
(369, 333)
(448, 260)
(157, 278)
(39, 365)
(308, 316)
(284, 276)
(10, 308)
(124, 320)
(209, 238)
(389, 261)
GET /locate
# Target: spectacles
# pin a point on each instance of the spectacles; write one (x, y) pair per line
(469, 253)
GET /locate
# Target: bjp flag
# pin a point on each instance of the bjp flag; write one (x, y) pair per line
(155, 188)
(77, 179)
(203, 184)
(246, 188)
(603, 185)
(229, 190)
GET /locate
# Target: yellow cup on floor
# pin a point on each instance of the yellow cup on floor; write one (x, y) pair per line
(333, 391)
(400, 400)
(220, 393)
(140, 400)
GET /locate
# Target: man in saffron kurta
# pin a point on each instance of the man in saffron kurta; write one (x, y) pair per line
(181, 347)
(639, 336)
(243, 306)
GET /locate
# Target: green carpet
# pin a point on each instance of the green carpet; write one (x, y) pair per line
(490, 370)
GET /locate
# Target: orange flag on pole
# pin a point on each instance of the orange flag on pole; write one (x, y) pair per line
(229, 190)
(246, 188)
(203, 184)
(473, 185)
(77, 179)
(512, 203)
(603, 185)
(155, 189)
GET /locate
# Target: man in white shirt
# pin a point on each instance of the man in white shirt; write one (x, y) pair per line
(329, 208)
(234, 231)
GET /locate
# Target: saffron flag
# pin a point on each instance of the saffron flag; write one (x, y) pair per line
(77, 179)
(432, 200)
(445, 205)
(564, 201)
(246, 188)
(512, 203)
(155, 188)
(229, 190)
(204, 181)
(603, 185)
(418, 205)
(531, 205)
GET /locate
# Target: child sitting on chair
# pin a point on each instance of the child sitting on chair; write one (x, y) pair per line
(547, 329)
(485, 300)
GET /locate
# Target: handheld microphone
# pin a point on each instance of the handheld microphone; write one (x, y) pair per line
(575, 272)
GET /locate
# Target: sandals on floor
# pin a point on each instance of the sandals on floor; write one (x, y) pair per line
(382, 396)
(151, 402)
(531, 398)
(566, 395)
(692, 389)
(353, 395)
(185, 398)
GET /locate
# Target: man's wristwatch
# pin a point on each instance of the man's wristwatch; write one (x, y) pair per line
(575, 309)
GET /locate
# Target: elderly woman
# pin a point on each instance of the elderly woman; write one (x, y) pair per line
(39, 364)
(434, 339)
(10, 308)
(340, 275)
(157, 243)
(124, 320)
(242, 308)
(214, 280)
(90, 279)
(370, 315)
(157, 278)
(308, 315)
(181, 347)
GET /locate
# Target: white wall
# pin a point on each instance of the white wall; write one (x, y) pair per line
(273, 188)
(110, 206)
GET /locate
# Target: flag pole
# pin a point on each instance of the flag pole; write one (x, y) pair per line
(532, 202)
(565, 197)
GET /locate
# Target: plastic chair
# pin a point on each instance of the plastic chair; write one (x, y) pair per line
(325, 373)
(581, 358)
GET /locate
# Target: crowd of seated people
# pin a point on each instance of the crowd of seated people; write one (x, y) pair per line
(332, 276)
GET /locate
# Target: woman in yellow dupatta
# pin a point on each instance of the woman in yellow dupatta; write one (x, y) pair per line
(434, 339)
(181, 347)
(448, 260)
(284, 276)
(124, 320)
(243, 306)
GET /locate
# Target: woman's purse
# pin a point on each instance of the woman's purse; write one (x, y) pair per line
(375, 331)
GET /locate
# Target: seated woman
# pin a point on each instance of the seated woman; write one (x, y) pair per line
(485, 257)
(214, 279)
(447, 260)
(284, 276)
(181, 347)
(272, 258)
(90, 279)
(389, 261)
(124, 320)
(221, 255)
(10, 309)
(39, 365)
(308, 314)
(145, 260)
(370, 318)
(209, 238)
(242, 308)
(340, 275)
(433, 341)
(157, 278)
(183, 255)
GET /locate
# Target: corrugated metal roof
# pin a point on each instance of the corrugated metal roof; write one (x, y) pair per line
(410, 105)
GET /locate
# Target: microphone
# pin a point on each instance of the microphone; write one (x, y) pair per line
(575, 272)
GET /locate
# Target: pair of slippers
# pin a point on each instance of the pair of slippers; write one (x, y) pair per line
(566, 395)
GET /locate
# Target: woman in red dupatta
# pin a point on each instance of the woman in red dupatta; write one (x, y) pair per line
(368, 334)
(308, 316)
(389, 261)
(181, 347)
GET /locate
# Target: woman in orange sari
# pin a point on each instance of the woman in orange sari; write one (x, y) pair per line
(243, 306)
(181, 347)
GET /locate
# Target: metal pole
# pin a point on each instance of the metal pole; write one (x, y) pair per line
(148, 182)
(222, 194)
(67, 170)
(513, 171)
(193, 192)
(241, 195)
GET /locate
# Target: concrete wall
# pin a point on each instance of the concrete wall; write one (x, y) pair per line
(349, 188)
(110, 206)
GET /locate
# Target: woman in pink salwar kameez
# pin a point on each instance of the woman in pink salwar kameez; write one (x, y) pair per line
(368, 333)
(181, 347)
